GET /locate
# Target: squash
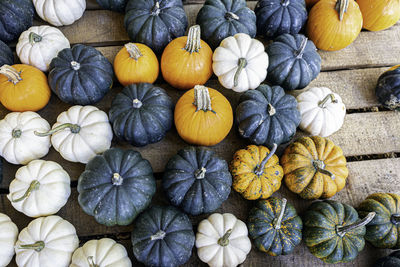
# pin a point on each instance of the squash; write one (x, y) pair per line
(6, 54)
(114, 5)
(187, 61)
(293, 61)
(322, 111)
(108, 183)
(275, 226)
(379, 15)
(222, 240)
(60, 12)
(392, 260)
(267, 115)
(43, 239)
(196, 180)
(314, 167)
(384, 230)
(203, 116)
(162, 236)
(141, 114)
(40, 188)
(155, 23)
(220, 19)
(333, 231)
(15, 17)
(240, 63)
(334, 24)
(388, 88)
(81, 75)
(8, 237)
(136, 63)
(38, 45)
(23, 88)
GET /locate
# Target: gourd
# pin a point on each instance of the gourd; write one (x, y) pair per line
(333, 231)
(275, 226)
(314, 167)
(334, 24)
(256, 172)
(60, 12)
(114, 5)
(203, 116)
(80, 75)
(40, 188)
(15, 17)
(196, 180)
(187, 61)
(18, 142)
(168, 230)
(240, 63)
(293, 61)
(392, 260)
(222, 240)
(220, 19)
(322, 111)
(6, 55)
(136, 63)
(38, 45)
(8, 236)
(141, 114)
(267, 115)
(108, 183)
(23, 88)
(155, 23)
(379, 15)
(388, 88)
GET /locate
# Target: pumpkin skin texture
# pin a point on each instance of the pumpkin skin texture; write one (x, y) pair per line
(379, 15)
(60, 12)
(6, 54)
(15, 17)
(388, 88)
(8, 236)
(392, 260)
(114, 5)
(162, 237)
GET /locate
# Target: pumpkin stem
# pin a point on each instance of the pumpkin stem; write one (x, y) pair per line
(91, 262)
(278, 221)
(395, 219)
(202, 99)
(271, 110)
(35, 184)
(117, 179)
(193, 43)
(342, 230)
(37, 246)
(200, 173)
(136, 103)
(322, 103)
(16, 133)
(133, 50)
(224, 240)
(303, 45)
(285, 2)
(158, 236)
(12, 74)
(260, 168)
(34, 38)
(319, 166)
(75, 65)
(341, 7)
(230, 15)
(156, 9)
(242, 63)
(75, 128)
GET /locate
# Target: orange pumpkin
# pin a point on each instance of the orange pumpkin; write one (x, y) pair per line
(23, 88)
(203, 116)
(310, 3)
(379, 14)
(187, 61)
(136, 63)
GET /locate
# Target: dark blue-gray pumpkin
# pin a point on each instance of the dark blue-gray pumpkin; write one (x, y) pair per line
(196, 180)
(116, 186)
(155, 22)
(114, 5)
(162, 237)
(6, 55)
(80, 75)
(15, 17)
(293, 61)
(141, 114)
(219, 19)
(267, 115)
(392, 260)
(388, 89)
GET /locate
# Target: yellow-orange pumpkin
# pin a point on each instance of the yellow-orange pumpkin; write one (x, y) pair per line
(379, 14)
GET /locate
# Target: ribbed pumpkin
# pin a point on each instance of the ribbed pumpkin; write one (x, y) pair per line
(388, 88)
(379, 15)
(15, 17)
(6, 54)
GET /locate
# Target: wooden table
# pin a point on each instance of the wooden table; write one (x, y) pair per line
(370, 136)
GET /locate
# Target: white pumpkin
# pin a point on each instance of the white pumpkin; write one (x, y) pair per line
(60, 12)
(38, 45)
(222, 240)
(18, 142)
(240, 62)
(101, 253)
(8, 236)
(322, 111)
(40, 188)
(46, 242)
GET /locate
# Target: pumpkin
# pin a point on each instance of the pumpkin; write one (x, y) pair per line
(333, 231)
(392, 260)
(334, 24)
(162, 236)
(23, 88)
(8, 236)
(187, 61)
(388, 88)
(155, 23)
(60, 12)
(109, 182)
(38, 45)
(220, 19)
(240, 63)
(81, 75)
(314, 167)
(6, 55)
(267, 115)
(196, 180)
(43, 239)
(114, 5)
(18, 142)
(141, 114)
(203, 116)
(15, 17)
(275, 226)
(384, 230)
(136, 63)
(322, 111)
(222, 240)
(379, 15)
(293, 61)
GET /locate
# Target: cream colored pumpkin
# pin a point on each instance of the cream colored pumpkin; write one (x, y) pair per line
(60, 12)
(8, 236)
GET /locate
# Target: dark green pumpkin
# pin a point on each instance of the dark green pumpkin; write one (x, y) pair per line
(196, 180)
(6, 55)
(275, 226)
(162, 237)
(393, 260)
(114, 5)
(388, 89)
(116, 186)
(15, 17)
